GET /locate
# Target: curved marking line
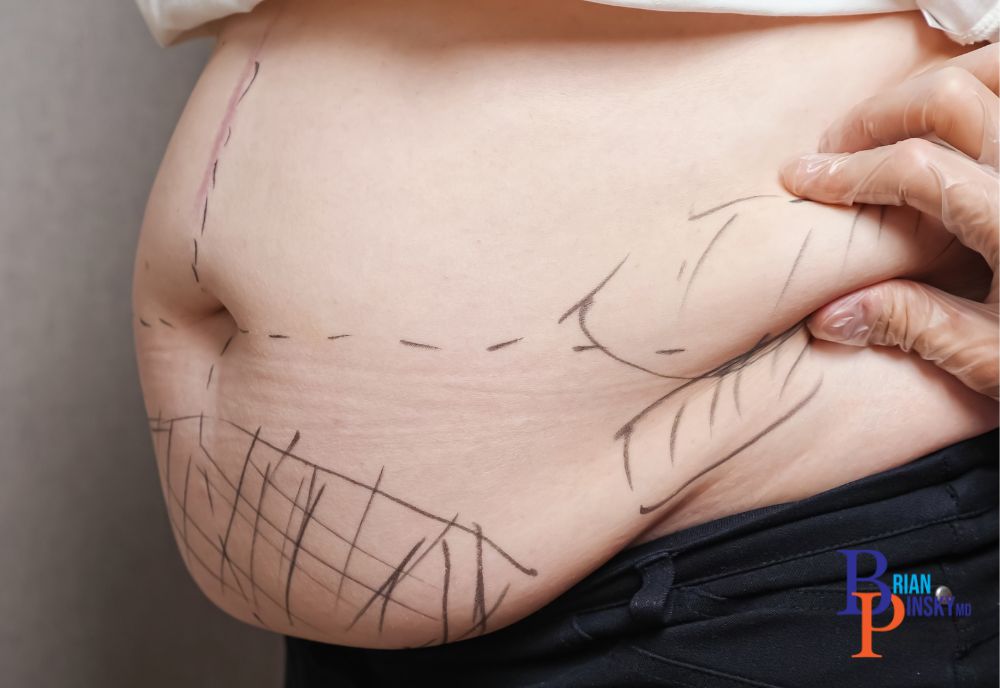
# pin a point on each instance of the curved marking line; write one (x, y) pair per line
(746, 445)
(627, 436)
(444, 594)
(706, 213)
(582, 319)
(292, 567)
(590, 295)
(357, 533)
(704, 255)
(850, 236)
(715, 403)
(416, 562)
(673, 432)
(791, 370)
(489, 613)
(256, 70)
(791, 273)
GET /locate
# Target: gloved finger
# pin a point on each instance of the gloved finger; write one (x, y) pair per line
(983, 63)
(950, 103)
(960, 336)
(914, 172)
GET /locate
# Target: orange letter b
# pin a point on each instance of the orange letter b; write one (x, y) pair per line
(898, 612)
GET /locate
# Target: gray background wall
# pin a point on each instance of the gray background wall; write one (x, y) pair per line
(92, 591)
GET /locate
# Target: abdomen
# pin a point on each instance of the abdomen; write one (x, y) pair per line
(438, 307)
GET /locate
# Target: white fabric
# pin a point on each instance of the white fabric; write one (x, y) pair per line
(168, 19)
(965, 21)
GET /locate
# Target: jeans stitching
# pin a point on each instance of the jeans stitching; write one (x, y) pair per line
(962, 652)
(732, 678)
(828, 548)
(674, 682)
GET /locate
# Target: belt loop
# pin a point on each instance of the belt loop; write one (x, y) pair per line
(652, 604)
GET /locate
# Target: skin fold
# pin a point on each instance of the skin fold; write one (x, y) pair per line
(873, 156)
(439, 305)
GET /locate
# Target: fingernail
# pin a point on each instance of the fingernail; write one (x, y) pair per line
(848, 322)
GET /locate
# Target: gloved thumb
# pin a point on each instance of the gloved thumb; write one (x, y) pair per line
(957, 334)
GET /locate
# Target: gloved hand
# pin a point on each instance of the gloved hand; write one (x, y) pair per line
(872, 155)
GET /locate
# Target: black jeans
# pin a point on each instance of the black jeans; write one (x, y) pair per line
(751, 600)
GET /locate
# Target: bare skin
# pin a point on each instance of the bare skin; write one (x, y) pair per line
(439, 305)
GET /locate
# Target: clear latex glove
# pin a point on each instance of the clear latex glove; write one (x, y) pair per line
(872, 155)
